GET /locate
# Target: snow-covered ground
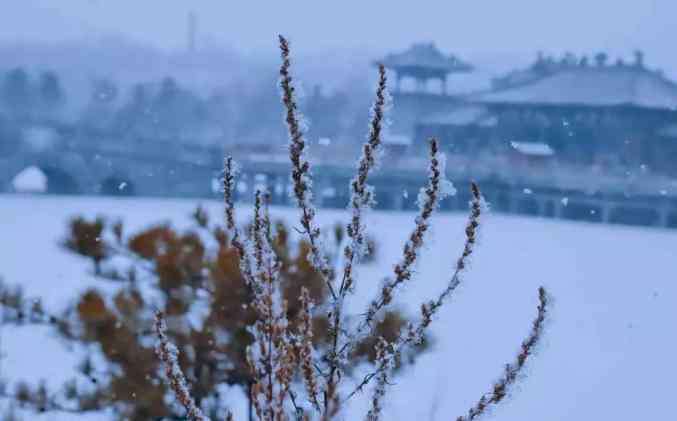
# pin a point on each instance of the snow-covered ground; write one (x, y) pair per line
(610, 344)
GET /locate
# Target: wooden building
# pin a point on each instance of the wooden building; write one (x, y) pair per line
(422, 74)
(620, 116)
(567, 138)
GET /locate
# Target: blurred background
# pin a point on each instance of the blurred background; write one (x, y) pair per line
(560, 110)
(116, 116)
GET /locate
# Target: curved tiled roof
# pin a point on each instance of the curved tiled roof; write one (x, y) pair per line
(467, 115)
(426, 56)
(592, 86)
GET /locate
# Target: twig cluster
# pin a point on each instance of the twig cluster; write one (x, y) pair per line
(283, 353)
(512, 370)
(169, 355)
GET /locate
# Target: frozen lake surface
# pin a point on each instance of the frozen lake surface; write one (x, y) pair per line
(610, 343)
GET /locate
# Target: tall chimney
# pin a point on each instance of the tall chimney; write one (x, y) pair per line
(192, 31)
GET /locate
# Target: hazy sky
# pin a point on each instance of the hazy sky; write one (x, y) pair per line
(470, 27)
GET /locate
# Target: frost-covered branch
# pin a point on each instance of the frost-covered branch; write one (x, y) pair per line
(386, 363)
(282, 351)
(169, 355)
(236, 239)
(512, 370)
(230, 171)
(271, 357)
(415, 334)
(429, 309)
(307, 351)
(362, 198)
(362, 194)
(428, 200)
(300, 174)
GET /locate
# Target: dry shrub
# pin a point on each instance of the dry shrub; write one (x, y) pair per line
(284, 346)
(182, 266)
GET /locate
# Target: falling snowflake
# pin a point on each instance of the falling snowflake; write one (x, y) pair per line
(122, 186)
(565, 201)
(527, 191)
(405, 194)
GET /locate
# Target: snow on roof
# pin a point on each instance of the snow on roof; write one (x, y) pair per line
(30, 180)
(468, 115)
(533, 148)
(593, 86)
(668, 131)
(426, 55)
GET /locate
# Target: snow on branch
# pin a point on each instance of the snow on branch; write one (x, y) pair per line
(307, 351)
(362, 198)
(512, 370)
(169, 355)
(385, 358)
(415, 334)
(428, 200)
(300, 174)
(230, 171)
(429, 309)
(362, 194)
(236, 239)
(283, 351)
(271, 357)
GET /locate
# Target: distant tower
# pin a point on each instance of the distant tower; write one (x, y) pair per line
(423, 62)
(192, 32)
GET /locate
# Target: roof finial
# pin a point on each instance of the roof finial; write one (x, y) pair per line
(639, 58)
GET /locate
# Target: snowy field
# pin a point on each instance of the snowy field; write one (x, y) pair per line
(610, 344)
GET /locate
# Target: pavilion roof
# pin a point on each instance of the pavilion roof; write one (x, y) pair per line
(426, 58)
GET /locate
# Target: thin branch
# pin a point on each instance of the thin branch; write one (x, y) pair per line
(168, 354)
(362, 197)
(512, 370)
(428, 310)
(230, 171)
(306, 349)
(300, 174)
(362, 194)
(259, 239)
(415, 335)
(385, 361)
(429, 197)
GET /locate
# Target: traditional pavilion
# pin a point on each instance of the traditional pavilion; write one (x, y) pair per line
(423, 62)
(612, 116)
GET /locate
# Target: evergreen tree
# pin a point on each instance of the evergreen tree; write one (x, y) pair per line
(52, 96)
(100, 112)
(17, 94)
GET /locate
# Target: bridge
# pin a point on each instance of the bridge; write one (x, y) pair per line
(166, 169)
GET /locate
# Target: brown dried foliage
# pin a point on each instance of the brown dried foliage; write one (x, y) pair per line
(85, 239)
(179, 265)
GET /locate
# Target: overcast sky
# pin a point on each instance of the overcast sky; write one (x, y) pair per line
(469, 27)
